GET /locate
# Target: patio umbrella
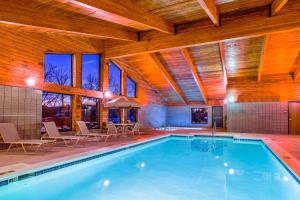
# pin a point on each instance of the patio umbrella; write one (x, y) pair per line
(122, 103)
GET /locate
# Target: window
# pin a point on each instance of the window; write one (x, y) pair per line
(58, 69)
(91, 71)
(199, 116)
(90, 112)
(114, 115)
(114, 79)
(132, 115)
(131, 87)
(57, 108)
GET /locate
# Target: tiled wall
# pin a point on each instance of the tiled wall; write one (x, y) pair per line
(267, 117)
(153, 115)
(23, 107)
(181, 116)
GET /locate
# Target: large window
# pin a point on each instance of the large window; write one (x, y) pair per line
(90, 71)
(57, 108)
(90, 112)
(115, 79)
(132, 115)
(58, 69)
(131, 87)
(199, 116)
(114, 115)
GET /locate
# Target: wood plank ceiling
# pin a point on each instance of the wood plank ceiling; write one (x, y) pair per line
(189, 51)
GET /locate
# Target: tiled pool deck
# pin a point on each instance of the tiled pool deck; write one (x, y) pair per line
(285, 146)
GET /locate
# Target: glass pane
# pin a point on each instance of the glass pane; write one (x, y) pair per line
(114, 79)
(90, 112)
(57, 108)
(58, 69)
(114, 115)
(132, 115)
(90, 71)
(131, 87)
(199, 116)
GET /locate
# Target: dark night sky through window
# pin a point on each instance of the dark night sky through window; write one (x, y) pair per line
(114, 79)
(90, 71)
(131, 87)
(58, 69)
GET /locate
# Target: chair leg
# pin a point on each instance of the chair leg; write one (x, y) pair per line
(9, 147)
(23, 147)
(38, 147)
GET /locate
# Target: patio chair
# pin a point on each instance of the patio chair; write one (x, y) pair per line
(53, 133)
(135, 129)
(9, 135)
(112, 130)
(84, 131)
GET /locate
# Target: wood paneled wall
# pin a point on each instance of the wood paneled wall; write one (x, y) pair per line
(272, 88)
(22, 56)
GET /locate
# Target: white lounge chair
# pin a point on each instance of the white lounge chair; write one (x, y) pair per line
(135, 129)
(9, 135)
(53, 133)
(84, 131)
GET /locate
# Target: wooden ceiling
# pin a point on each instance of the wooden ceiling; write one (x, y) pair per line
(189, 51)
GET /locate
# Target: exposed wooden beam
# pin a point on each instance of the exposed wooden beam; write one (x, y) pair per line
(169, 78)
(125, 12)
(24, 14)
(262, 57)
(277, 5)
(223, 61)
(185, 52)
(249, 24)
(211, 10)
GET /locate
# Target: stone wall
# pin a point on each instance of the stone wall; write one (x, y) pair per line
(266, 117)
(22, 107)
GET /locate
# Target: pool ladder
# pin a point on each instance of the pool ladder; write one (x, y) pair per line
(214, 130)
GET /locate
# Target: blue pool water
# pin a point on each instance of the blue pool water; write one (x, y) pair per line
(174, 168)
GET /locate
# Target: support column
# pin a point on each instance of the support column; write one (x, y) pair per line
(104, 85)
(76, 99)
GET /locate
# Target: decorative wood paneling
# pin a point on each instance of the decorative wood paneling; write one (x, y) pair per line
(33, 15)
(281, 52)
(190, 64)
(240, 25)
(243, 56)
(209, 67)
(279, 87)
(123, 12)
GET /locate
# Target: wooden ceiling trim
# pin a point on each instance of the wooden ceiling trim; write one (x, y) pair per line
(223, 61)
(250, 24)
(169, 78)
(185, 52)
(277, 6)
(211, 10)
(123, 12)
(25, 15)
(262, 57)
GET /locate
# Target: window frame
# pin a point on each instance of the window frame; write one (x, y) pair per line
(135, 87)
(72, 67)
(100, 73)
(71, 108)
(121, 71)
(99, 102)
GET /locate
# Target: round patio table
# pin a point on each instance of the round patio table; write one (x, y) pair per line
(123, 126)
